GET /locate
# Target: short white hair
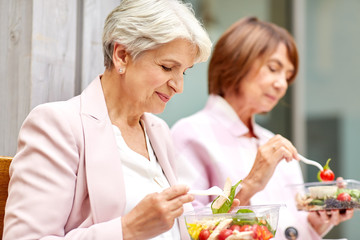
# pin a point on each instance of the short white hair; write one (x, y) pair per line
(141, 25)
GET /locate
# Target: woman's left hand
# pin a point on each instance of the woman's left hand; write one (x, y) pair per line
(322, 220)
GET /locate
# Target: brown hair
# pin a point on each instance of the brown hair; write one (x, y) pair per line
(240, 46)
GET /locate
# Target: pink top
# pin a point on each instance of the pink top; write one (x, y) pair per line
(67, 180)
(214, 147)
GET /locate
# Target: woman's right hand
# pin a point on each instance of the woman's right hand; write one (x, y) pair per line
(267, 158)
(156, 213)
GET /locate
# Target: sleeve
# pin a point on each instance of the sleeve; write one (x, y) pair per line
(43, 177)
(290, 216)
(192, 168)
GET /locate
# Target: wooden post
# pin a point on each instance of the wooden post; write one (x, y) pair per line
(49, 50)
(15, 69)
(94, 15)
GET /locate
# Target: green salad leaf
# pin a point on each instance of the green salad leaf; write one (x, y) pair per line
(225, 208)
(245, 210)
(245, 221)
(317, 202)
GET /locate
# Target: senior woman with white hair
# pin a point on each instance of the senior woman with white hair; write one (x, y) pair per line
(99, 166)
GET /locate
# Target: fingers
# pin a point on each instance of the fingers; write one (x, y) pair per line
(324, 216)
(283, 153)
(235, 204)
(175, 197)
(283, 148)
(334, 217)
(175, 191)
(340, 182)
(161, 210)
(267, 158)
(178, 202)
(339, 179)
(347, 215)
(329, 216)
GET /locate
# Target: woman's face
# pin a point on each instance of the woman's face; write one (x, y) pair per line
(261, 90)
(157, 75)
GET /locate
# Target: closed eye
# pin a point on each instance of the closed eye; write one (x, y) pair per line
(272, 68)
(166, 68)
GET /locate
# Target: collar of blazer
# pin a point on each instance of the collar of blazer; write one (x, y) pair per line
(160, 138)
(105, 180)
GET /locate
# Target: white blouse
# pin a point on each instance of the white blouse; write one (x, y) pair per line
(142, 177)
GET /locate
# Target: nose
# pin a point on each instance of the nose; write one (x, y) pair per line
(281, 82)
(177, 84)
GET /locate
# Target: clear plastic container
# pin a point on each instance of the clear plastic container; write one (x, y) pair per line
(251, 222)
(316, 196)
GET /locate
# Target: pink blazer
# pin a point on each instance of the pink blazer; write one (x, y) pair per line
(66, 179)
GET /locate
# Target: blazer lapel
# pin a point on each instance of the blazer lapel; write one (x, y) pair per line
(165, 154)
(103, 166)
(159, 144)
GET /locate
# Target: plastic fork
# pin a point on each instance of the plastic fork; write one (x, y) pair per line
(310, 162)
(215, 190)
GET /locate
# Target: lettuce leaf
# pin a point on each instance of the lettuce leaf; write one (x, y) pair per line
(225, 208)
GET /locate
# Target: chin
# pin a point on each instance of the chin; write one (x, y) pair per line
(157, 111)
(266, 110)
(155, 108)
(263, 113)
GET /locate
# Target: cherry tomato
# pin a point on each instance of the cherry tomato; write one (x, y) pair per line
(327, 175)
(245, 228)
(266, 234)
(235, 227)
(256, 231)
(204, 234)
(344, 197)
(224, 234)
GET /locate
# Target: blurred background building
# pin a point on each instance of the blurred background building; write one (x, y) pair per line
(51, 49)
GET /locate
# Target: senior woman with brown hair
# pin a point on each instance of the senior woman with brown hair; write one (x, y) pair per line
(252, 65)
(99, 166)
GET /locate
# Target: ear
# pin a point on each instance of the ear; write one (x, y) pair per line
(120, 57)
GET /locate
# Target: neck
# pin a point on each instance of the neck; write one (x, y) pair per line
(248, 121)
(120, 110)
(244, 113)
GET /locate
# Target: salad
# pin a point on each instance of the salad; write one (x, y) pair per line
(244, 223)
(238, 226)
(328, 195)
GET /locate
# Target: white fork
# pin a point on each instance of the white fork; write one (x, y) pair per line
(215, 190)
(311, 162)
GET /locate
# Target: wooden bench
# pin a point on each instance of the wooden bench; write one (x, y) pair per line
(4, 181)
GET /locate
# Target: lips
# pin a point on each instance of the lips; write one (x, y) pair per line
(165, 98)
(271, 97)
